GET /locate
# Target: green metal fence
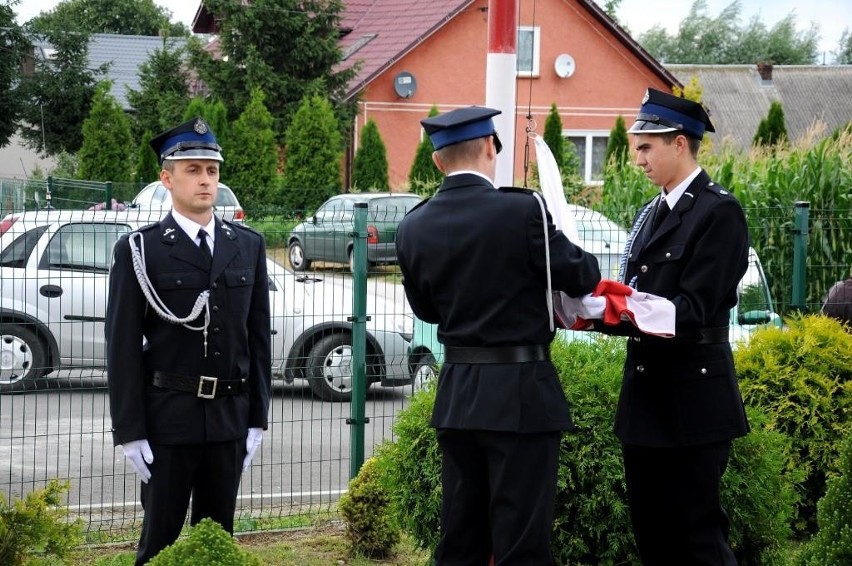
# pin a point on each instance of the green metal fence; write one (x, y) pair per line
(60, 426)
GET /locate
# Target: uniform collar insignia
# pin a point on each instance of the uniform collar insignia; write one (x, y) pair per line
(168, 231)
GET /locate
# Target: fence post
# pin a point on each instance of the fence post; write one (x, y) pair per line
(108, 196)
(800, 253)
(359, 341)
(48, 195)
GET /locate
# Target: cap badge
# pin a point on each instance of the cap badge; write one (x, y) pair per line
(647, 96)
(200, 127)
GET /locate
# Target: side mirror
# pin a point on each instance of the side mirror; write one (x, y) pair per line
(313, 219)
(754, 317)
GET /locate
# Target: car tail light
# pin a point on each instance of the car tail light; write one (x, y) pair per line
(239, 215)
(6, 223)
(372, 235)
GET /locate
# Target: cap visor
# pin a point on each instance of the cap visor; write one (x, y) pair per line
(195, 154)
(645, 127)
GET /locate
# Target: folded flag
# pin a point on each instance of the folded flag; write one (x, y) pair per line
(614, 302)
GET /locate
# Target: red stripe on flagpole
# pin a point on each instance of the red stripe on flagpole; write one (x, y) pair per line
(502, 26)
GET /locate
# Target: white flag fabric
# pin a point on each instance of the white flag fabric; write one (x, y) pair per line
(550, 180)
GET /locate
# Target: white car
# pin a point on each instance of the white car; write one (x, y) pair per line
(54, 271)
(156, 197)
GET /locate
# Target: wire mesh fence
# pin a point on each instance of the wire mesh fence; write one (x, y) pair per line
(54, 413)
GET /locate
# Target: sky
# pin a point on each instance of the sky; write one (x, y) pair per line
(832, 16)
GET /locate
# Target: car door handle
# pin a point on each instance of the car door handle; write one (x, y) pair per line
(51, 291)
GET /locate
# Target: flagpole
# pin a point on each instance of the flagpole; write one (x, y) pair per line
(500, 80)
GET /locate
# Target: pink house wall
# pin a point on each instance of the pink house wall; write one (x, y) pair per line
(450, 68)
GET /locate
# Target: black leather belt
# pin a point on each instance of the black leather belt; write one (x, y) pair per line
(496, 355)
(714, 335)
(201, 386)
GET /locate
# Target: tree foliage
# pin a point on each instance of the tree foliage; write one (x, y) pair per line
(123, 17)
(772, 129)
(15, 44)
(251, 155)
(723, 40)
(617, 148)
(164, 93)
(370, 169)
(147, 167)
(258, 42)
(58, 95)
(213, 112)
(314, 151)
(424, 177)
(843, 55)
(105, 154)
(553, 135)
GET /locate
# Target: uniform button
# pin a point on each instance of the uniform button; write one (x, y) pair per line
(216, 330)
(644, 269)
(637, 339)
(630, 255)
(242, 279)
(215, 308)
(215, 285)
(668, 255)
(640, 368)
(178, 282)
(216, 354)
(703, 370)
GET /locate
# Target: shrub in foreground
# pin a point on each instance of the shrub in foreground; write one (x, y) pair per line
(207, 544)
(365, 509)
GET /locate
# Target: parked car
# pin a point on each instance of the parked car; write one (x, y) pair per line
(327, 235)
(54, 271)
(155, 196)
(754, 308)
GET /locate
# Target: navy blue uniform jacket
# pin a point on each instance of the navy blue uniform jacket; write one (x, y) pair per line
(473, 261)
(238, 341)
(675, 391)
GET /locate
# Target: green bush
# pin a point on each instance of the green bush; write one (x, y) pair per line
(833, 543)
(370, 168)
(592, 523)
(207, 544)
(424, 178)
(801, 378)
(37, 528)
(365, 509)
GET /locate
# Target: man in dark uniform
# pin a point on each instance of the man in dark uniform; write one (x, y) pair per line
(838, 302)
(680, 404)
(188, 346)
(474, 261)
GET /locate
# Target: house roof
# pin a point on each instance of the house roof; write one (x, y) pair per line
(738, 98)
(124, 53)
(380, 32)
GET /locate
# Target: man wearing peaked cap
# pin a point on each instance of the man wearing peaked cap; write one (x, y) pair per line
(680, 404)
(188, 347)
(473, 262)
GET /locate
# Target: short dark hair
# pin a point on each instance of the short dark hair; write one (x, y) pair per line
(462, 152)
(669, 137)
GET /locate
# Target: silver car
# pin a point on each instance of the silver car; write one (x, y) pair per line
(54, 280)
(156, 197)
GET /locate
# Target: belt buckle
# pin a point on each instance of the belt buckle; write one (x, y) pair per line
(201, 381)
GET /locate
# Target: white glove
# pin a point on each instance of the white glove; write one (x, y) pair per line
(253, 440)
(138, 453)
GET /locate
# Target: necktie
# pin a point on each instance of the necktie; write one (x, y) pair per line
(204, 246)
(661, 213)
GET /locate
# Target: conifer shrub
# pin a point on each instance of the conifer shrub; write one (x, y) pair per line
(370, 169)
(207, 544)
(801, 378)
(364, 507)
(36, 528)
(424, 178)
(592, 520)
(832, 544)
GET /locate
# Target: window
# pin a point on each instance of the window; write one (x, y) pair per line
(529, 48)
(83, 246)
(590, 148)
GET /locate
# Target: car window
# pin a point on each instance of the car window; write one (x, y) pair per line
(83, 246)
(391, 209)
(160, 195)
(336, 211)
(17, 253)
(144, 195)
(226, 197)
(753, 291)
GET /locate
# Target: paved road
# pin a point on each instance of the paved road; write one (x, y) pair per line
(63, 432)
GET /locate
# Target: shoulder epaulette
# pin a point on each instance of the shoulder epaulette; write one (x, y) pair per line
(718, 190)
(240, 225)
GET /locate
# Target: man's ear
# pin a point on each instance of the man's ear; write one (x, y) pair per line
(436, 159)
(166, 178)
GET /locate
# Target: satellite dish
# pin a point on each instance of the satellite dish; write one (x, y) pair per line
(564, 66)
(404, 84)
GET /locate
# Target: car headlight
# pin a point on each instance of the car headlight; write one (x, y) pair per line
(405, 326)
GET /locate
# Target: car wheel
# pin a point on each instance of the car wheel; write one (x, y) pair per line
(424, 372)
(330, 368)
(296, 253)
(22, 358)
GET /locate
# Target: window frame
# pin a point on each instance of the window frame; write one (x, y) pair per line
(589, 136)
(535, 71)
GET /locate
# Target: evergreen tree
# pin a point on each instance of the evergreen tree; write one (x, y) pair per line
(617, 147)
(370, 169)
(553, 135)
(844, 49)
(121, 17)
(147, 167)
(105, 152)
(251, 156)
(213, 112)
(14, 43)
(313, 155)
(424, 177)
(164, 94)
(771, 130)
